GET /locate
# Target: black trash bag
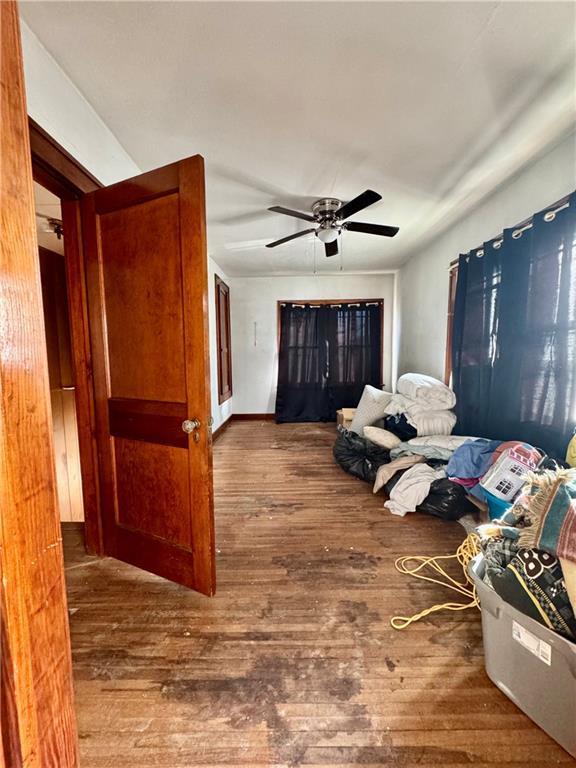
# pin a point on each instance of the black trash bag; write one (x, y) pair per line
(447, 500)
(359, 456)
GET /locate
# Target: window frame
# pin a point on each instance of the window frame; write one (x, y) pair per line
(222, 301)
(453, 279)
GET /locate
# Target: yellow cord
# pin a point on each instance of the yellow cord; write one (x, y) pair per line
(469, 548)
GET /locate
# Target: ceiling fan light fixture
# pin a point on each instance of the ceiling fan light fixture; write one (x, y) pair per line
(328, 234)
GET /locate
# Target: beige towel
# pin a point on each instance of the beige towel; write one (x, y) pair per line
(386, 471)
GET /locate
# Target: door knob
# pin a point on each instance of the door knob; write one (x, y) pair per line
(190, 425)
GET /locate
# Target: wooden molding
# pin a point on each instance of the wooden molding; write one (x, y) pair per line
(55, 168)
(223, 340)
(449, 324)
(252, 417)
(219, 431)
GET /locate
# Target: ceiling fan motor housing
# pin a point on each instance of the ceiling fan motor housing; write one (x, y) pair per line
(324, 211)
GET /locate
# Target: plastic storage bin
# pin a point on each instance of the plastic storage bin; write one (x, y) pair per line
(532, 665)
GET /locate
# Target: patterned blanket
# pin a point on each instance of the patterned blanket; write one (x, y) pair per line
(549, 501)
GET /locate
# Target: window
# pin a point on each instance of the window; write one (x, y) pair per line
(223, 341)
(514, 332)
(328, 352)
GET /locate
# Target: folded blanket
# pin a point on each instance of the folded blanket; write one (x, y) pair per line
(550, 502)
(442, 441)
(435, 423)
(428, 451)
(414, 408)
(425, 420)
(412, 489)
(426, 390)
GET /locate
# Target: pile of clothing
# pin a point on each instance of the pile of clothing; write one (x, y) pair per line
(416, 478)
(413, 457)
(530, 552)
(421, 406)
(412, 473)
(493, 471)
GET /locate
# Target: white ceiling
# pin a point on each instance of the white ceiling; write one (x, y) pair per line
(432, 104)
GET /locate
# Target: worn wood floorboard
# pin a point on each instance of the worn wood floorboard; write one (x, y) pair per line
(293, 663)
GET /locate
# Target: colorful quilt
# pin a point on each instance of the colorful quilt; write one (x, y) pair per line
(549, 501)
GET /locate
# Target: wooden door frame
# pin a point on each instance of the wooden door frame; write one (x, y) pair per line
(220, 285)
(38, 721)
(56, 170)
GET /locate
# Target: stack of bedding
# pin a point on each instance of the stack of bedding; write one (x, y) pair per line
(424, 404)
(411, 455)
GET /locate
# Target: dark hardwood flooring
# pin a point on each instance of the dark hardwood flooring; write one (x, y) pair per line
(293, 663)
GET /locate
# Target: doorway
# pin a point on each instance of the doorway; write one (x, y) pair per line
(51, 247)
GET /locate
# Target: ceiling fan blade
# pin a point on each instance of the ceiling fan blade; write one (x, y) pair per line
(358, 204)
(290, 212)
(371, 229)
(290, 237)
(331, 248)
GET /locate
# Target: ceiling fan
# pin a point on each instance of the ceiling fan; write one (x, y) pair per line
(328, 215)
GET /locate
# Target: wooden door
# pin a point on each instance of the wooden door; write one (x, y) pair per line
(146, 267)
(38, 725)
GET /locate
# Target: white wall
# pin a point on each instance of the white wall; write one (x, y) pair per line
(423, 280)
(220, 413)
(57, 105)
(254, 327)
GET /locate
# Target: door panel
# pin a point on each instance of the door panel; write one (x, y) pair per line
(145, 253)
(144, 364)
(146, 472)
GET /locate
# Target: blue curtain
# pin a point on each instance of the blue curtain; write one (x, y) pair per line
(514, 334)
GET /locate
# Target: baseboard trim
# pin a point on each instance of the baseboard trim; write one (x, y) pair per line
(241, 417)
(253, 417)
(221, 429)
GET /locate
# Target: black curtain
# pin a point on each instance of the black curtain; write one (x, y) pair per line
(327, 355)
(355, 352)
(514, 334)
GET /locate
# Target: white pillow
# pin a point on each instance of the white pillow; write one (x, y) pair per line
(372, 406)
(381, 437)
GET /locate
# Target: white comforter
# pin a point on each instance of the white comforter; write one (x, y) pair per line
(425, 420)
(426, 391)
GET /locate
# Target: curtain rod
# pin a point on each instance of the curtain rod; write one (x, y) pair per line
(550, 215)
(333, 304)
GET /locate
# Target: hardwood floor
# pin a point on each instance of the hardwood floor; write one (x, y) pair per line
(293, 663)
